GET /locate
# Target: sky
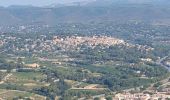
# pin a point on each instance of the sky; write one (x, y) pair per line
(34, 2)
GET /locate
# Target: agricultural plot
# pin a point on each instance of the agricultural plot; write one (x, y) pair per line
(11, 94)
(28, 80)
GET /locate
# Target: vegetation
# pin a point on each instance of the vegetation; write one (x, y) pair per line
(85, 71)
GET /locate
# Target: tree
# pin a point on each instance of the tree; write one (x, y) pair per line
(109, 98)
(96, 98)
(19, 63)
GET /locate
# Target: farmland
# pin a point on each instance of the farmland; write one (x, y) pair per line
(85, 66)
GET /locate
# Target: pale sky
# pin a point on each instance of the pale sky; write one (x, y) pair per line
(34, 2)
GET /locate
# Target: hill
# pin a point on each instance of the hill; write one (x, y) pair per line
(97, 11)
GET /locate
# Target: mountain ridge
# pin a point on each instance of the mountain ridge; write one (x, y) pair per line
(81, 14)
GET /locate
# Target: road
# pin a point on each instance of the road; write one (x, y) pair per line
(160, 62)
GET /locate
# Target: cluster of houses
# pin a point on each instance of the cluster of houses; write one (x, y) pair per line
(1, 42)
(63, 43)
(167, 63)
(142, 96)
(93, 41)
(74, 41)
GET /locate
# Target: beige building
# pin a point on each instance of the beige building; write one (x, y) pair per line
(128, 96)
(141, 96)
(34, 65)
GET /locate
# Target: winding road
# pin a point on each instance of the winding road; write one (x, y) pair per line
(160, 62)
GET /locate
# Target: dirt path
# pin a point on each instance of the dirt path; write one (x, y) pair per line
(89, 87)
(92, 86)
(3, 93)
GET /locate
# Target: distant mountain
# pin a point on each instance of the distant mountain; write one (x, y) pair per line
(115, 2)
(81, 3)
(100, 10)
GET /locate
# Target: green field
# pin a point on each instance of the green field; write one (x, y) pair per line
(11, 94)
(24, 80)
(28, 75)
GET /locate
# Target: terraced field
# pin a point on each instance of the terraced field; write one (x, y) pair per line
(11, 94)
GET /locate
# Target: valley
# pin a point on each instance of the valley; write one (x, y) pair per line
(95, 50)
(85, 66)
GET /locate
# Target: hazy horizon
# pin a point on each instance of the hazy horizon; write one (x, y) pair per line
(35, 2)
